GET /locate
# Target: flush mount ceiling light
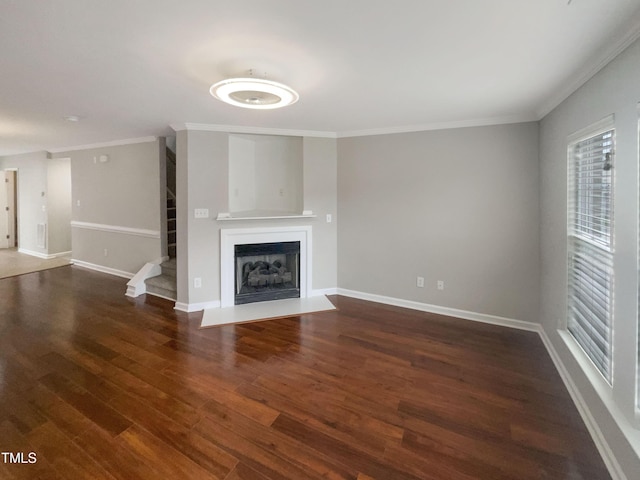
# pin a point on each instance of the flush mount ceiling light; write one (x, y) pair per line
(250, 92)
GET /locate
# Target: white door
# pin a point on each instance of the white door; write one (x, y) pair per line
(4, 211)
(12, 211)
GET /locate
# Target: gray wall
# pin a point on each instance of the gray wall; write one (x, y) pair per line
(202, 182)
(615, 90)
(32, 196)
(59, 205)
(265, 173)
(455, 205)
(320, 170)
(124, 192)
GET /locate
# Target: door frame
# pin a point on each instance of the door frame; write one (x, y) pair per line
(15, 221)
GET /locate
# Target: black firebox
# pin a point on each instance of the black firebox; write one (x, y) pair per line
(267, 271)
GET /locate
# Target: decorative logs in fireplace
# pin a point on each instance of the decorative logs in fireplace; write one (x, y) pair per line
(267, 271)
(262, 273)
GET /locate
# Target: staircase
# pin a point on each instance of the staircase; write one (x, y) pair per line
(164, 285)
(171, 226)
(171, 203)
(154, 278)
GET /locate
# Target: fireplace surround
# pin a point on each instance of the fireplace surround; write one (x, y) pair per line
(231, 238)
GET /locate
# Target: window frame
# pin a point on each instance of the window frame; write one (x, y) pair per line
(583, 245)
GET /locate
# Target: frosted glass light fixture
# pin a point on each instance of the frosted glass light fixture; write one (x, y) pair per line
(257, 93)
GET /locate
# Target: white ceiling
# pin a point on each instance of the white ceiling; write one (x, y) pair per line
(131, 68)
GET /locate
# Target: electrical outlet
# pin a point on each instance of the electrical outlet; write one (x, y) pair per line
(197, 282)
(420, 282)
(329, 218)
(106, 252)
(440, 284)
(201, 213)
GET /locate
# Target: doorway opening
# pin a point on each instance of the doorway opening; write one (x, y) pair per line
(8, 208)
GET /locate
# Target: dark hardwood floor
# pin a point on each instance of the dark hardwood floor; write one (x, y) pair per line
(100, 386)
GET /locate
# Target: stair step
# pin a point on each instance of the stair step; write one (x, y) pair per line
(169, 267)
(163, 285)
(162, 292)
(165, 281)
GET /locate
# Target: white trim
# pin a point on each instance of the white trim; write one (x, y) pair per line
(203, 127)
(452, 312)
(324, 292)
(225, 217)
(136, 286)
(139, 232)
(44, 256)
(230, 237)
(114, 143)
(196, 307)
(596, 63)
(478, 122)
(32, 253)
(59, 254)
(102, 268)
(596, 128)
(598, 437)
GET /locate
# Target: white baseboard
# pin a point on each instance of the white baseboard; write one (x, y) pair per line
(60, 254)
(196, 307)
(451, 312)
(45, 256)
(598, 437)
(324, 291)
(103, 269)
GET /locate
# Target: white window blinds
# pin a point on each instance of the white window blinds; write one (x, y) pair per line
(591, 247)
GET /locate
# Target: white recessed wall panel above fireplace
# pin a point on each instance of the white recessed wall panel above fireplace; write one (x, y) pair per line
(230, 237)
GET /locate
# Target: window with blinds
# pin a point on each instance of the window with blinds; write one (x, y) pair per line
(591, 247)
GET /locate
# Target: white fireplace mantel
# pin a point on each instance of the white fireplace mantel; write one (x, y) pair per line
(262, 215)
(230, 237)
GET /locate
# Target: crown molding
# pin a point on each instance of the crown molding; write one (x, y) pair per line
(355, 133)
(114, 143)
(593, 66)
(478, 122)
(204, 127)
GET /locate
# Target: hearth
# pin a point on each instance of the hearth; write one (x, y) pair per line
(266, 271)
